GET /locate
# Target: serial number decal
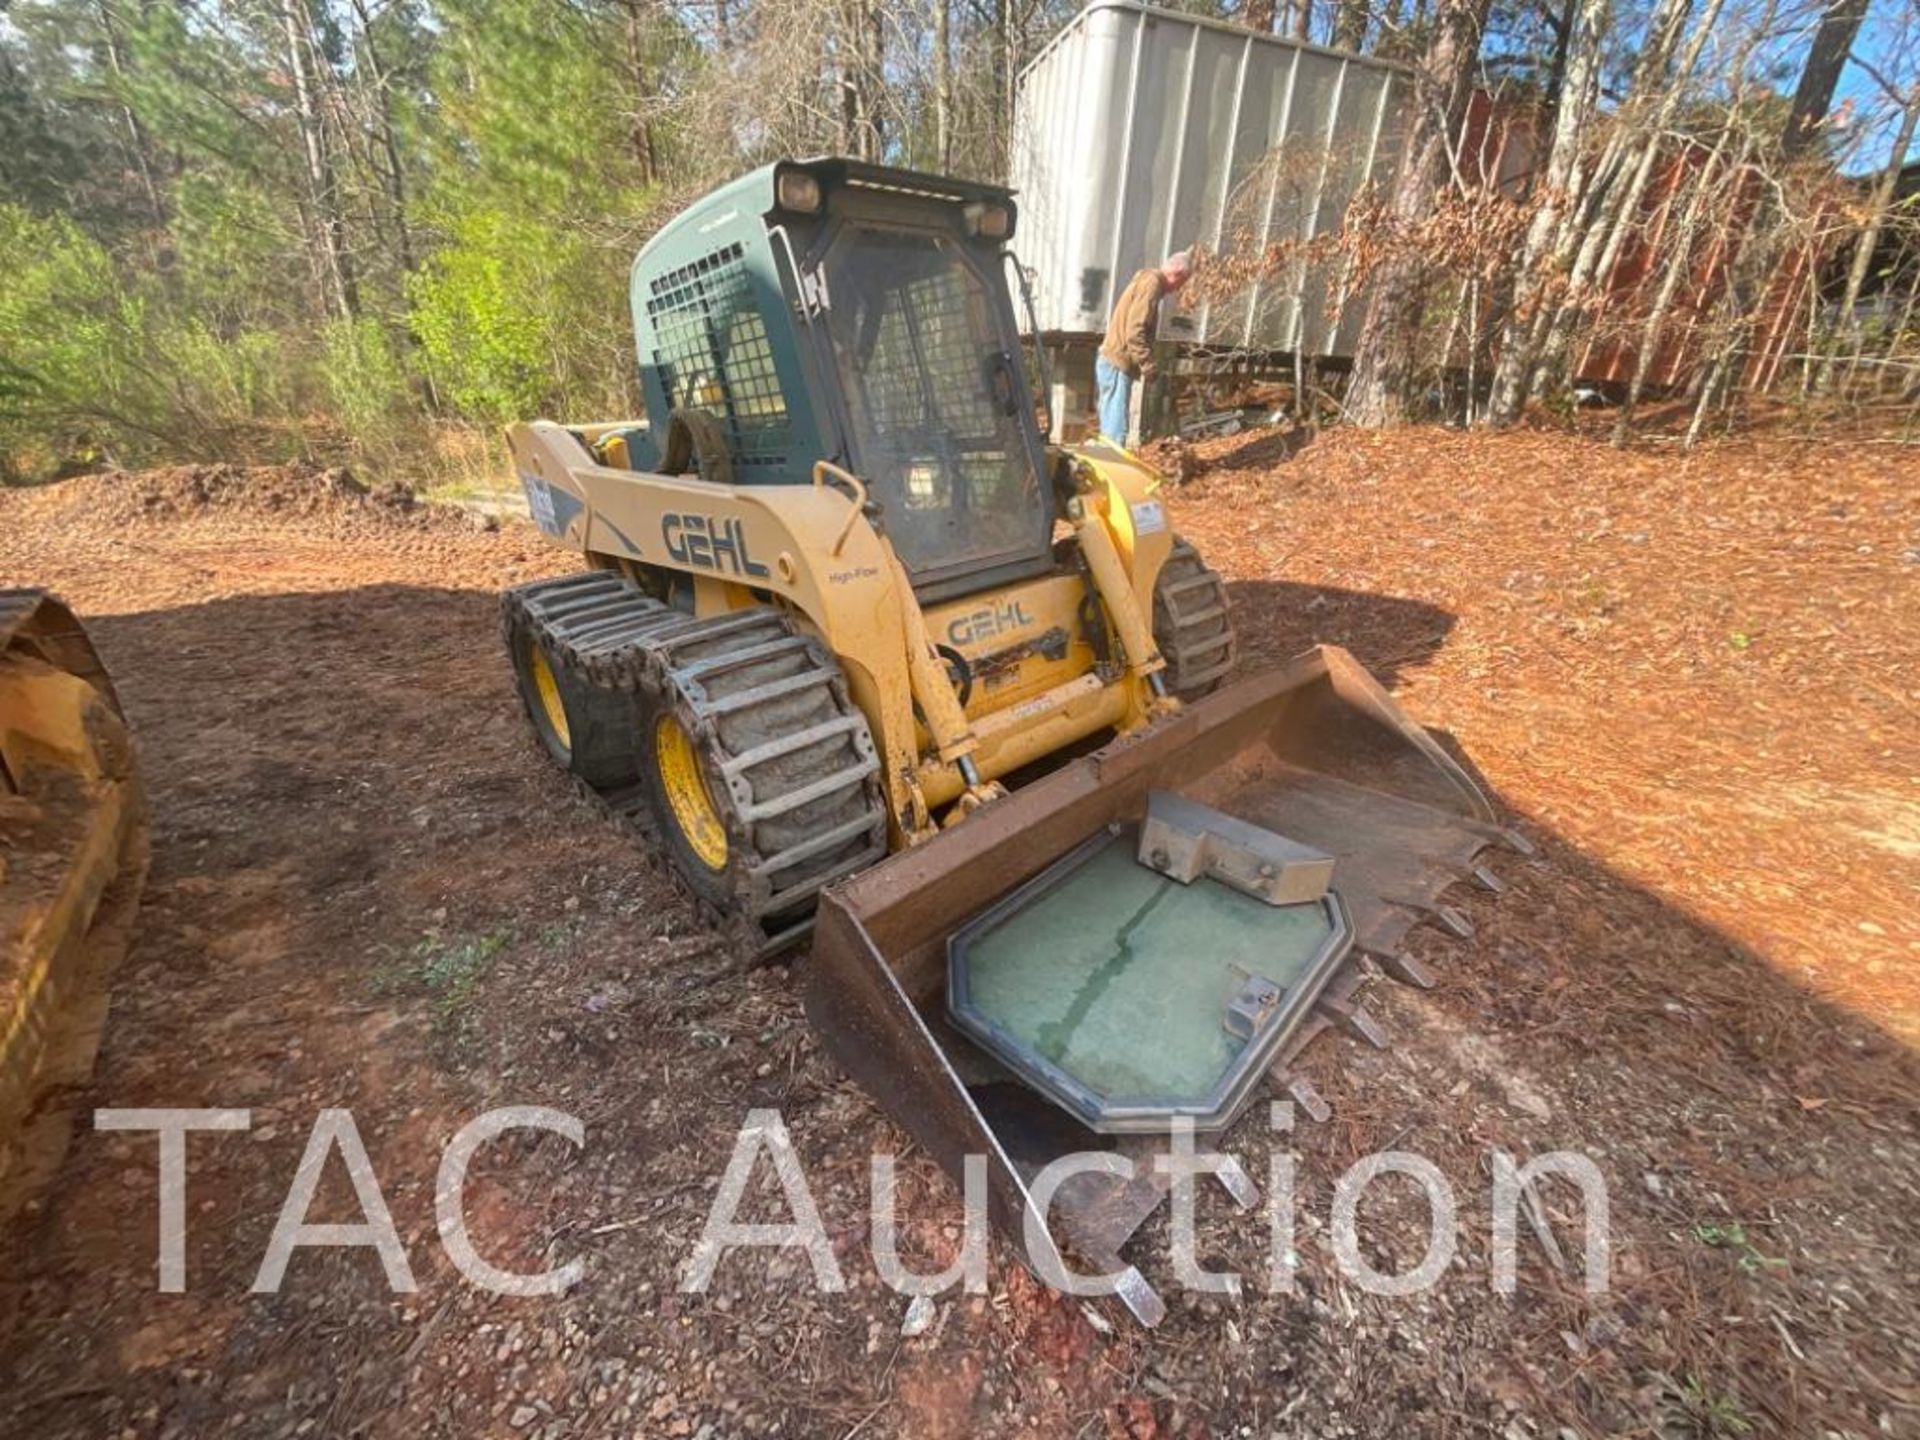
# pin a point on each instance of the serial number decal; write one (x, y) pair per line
(710, 542)
(1149, 517)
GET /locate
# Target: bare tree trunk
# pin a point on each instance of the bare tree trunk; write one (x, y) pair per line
(857, 43)
(1656, 138)
(1903, 327)
(395, 176)
(874, 51)
(1879, 204)
(1000, 88)
(845, 83)
(1613, 207)
(1754, 221)
(1562, 40)
(1301, 17)
(1350, 21)
(1678, 268)
(1710, 389)
(646, 158)
(329, 238)
(1009, 79)
(1383, 365)
(1547, 239)
(136, 132)
(1826, 58)
(943, 85)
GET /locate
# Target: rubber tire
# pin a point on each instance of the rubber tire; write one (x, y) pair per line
(718, 888)
(730, 890)
(604, 725)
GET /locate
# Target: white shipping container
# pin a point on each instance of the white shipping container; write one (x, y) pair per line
(1140, 131)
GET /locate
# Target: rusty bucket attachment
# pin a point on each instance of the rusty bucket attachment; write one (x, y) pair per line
(72, 858)
(1315, 751)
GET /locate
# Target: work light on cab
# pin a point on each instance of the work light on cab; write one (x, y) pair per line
(989, 221)
(797, 191)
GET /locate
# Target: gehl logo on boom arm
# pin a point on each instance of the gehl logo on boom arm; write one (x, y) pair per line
(712, 542)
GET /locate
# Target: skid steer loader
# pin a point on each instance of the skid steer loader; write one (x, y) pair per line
(842, 594)
(73, 855)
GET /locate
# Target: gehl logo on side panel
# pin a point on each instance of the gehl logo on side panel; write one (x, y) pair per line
(710, 542)
(988, 622)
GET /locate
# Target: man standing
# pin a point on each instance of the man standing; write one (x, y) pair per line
(1126, 353)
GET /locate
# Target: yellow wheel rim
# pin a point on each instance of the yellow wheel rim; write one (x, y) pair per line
(687, 793)
(547, 690)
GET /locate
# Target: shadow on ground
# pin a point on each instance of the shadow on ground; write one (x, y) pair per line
(1389, 634)
(1259, 448)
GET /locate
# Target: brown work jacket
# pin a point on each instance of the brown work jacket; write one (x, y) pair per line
(1129, 342)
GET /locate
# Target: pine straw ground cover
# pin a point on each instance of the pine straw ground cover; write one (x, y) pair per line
(1704, 670)
(1694, 680)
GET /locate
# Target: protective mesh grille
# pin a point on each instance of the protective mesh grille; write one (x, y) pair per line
(944, 386)
(712, 350)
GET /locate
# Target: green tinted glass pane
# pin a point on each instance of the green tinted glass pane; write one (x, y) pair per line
(1122, 977)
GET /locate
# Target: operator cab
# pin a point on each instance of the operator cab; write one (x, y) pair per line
(870, 323)
(939, 422)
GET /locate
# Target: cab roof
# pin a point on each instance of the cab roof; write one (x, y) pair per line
(756, 191)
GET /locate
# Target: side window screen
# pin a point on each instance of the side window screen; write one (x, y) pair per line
(711, 350)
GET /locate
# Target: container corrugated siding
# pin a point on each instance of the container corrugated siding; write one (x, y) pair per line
(1135, 134)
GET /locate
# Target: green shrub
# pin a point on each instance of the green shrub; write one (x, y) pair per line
(69, 335)
(485, 309)
(366, 379)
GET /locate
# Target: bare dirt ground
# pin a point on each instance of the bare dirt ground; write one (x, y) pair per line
(1692, 682)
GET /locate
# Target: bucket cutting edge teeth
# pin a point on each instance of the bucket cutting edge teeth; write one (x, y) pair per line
(1405, 969)
(1355, 1020)
(1140, 1298)
(1302, 1092)
(1235, 1181)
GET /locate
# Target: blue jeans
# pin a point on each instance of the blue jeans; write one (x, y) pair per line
(1116, 395)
